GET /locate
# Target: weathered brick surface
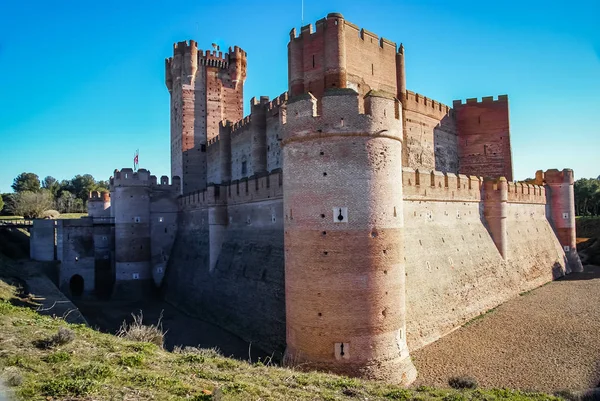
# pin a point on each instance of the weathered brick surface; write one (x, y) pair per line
(206, 88)
(345, 280)
(562, 212)
(484, 137)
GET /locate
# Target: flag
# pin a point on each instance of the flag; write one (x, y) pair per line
(136, 161)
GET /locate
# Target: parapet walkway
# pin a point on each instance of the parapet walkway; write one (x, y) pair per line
(546, 340)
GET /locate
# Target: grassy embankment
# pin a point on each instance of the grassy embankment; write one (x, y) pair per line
(38, 364)
(62, 216)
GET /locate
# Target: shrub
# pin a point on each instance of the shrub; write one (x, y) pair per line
(137, 331)
(50, 214)
(462, 382)
(64, 336)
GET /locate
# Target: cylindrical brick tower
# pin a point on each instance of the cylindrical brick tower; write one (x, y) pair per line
(131, 203)
(495, 211)
(344, 264)
(561, 210)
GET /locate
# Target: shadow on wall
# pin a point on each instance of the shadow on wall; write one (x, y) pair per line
(14, 243)
(445, 145)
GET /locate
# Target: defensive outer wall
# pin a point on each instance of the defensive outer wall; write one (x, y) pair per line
(468, 244)
(341, 225)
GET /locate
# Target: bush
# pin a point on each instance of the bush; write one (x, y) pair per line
(30, 205)
(462, 382)
(137, 331)
(64, 336)
(50, 214)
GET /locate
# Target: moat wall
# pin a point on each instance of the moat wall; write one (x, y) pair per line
(454, 269)
(242, 289)
(464, 277)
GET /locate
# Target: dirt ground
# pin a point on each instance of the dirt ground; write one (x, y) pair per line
(545, 340)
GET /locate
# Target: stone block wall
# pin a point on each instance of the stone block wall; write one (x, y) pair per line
(42, 240)
(76, 252)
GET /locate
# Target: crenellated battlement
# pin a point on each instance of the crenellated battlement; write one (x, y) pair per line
(340, 114)
(241, 126)
(186, 59)
(99, 196)
(128, 178)
(246, 190)
(484, 100)
(521, 192)
(277, 102)
(438, 186)
(424, 105)
(336, 20)
(556, 177)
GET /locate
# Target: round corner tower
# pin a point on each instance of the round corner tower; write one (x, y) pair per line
(344, 264)
(561, 201)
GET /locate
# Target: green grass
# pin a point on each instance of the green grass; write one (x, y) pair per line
(100, 366)
(480, 316)
(62, 216)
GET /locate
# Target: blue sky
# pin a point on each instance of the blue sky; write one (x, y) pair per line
(82, 82)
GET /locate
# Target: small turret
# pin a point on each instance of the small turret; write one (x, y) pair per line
(561, 203)
(401, 75)
(237, 65)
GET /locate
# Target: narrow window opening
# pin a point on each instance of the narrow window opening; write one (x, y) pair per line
(372, 69)
(313, 61)
(203, 148)
(485, 150)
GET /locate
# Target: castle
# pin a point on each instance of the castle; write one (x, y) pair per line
(343, 224)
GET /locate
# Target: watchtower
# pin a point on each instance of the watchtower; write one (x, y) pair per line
(339, 54)
(206, 88)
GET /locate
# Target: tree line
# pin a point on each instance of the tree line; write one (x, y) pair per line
(33, 197)
(587, 197)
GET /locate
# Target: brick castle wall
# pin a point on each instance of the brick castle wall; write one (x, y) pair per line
(484, 137)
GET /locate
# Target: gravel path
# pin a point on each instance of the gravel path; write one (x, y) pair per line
(546, 340)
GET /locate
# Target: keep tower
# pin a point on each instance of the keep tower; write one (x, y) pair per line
(206, 87)
(344, 258)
